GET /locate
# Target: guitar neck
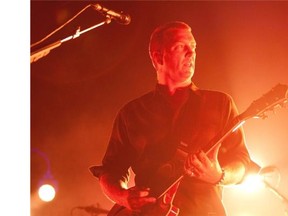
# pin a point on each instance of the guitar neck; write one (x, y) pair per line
(220, 137)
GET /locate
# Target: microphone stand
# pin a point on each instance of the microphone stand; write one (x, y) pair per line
(93, 210)
(256, 168)
(46, 50)
(281, 196)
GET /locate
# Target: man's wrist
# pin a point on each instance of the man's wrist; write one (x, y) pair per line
(221, 180)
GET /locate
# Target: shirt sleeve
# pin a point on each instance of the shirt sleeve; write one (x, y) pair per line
(233, 148)
(119, 153)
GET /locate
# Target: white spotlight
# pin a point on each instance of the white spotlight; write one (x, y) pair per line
(46, 192)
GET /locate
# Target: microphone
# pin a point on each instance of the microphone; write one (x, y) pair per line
(121, 18)
(268, 169)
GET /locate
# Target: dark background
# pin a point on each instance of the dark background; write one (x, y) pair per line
(78, 87)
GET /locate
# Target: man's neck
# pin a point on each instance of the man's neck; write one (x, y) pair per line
(172, 87)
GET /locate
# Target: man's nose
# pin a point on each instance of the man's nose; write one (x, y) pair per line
(189, 51)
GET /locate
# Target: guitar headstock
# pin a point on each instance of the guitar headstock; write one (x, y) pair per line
(276, 97)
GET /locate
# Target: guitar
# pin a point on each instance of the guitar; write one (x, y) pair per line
(276, 97)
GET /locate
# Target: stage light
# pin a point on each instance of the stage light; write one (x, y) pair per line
(252, 183)
(46, 192)
(263, 177)
(47, 185)
(259, 177)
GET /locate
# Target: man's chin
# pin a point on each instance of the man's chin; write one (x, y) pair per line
(188, 74)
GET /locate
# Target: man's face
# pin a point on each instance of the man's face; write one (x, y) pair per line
(179, 56)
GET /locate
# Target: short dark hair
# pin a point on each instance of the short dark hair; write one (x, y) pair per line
(158, 35)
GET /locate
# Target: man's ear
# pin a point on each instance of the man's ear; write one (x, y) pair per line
(158, 58)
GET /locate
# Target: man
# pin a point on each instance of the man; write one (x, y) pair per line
(170, 134)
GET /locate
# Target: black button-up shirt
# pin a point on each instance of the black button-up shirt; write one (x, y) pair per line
(148, 131)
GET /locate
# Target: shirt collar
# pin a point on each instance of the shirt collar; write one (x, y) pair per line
(164, 90)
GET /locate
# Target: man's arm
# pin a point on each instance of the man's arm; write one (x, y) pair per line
(117, 190)
(114, 189)
(207, 168)
(234, 173)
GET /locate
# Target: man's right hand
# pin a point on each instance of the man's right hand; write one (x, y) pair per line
(136, 198)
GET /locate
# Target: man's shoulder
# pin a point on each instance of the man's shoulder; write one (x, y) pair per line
(213, 93)
(214, 96)
(139, 101)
